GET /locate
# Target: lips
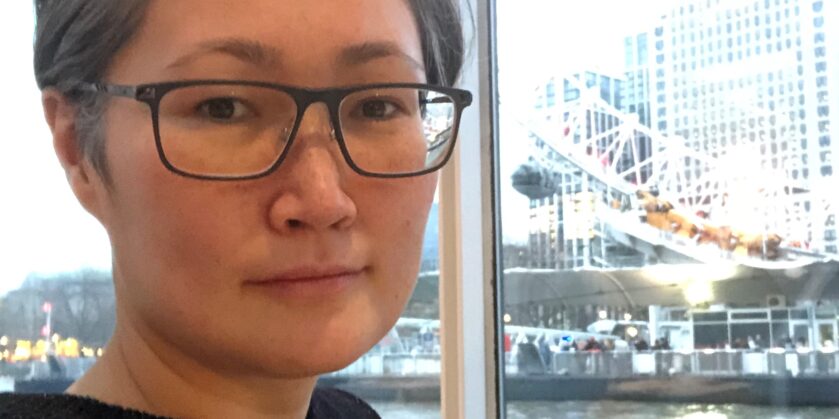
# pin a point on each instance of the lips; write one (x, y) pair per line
(308, 274)
(308, 282)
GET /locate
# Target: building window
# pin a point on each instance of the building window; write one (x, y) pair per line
(820, 52)
(550, 93)
(821, 81)
(819, 38)
(821, 67)
(817, 6)
(818, 21)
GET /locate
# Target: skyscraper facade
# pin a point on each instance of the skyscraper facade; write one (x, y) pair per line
(755, 84)
(635, 94)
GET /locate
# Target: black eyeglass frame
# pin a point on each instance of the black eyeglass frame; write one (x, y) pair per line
(152, 94)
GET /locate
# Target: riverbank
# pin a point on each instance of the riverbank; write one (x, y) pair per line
(757, 390)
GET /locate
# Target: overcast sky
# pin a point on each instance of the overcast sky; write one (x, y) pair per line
(43, 228)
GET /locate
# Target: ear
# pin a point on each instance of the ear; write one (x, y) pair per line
(85, 182)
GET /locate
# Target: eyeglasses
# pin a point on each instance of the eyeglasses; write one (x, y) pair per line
(234, 130)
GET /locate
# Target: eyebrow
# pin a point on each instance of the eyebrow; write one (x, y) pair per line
(263, 55)
(363, 53)
(253, 52)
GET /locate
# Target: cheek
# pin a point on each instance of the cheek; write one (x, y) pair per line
(396, 220)
(160, 224)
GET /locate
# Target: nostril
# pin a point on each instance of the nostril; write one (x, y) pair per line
(294, 223)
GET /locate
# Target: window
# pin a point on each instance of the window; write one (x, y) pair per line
(608, 305)
(821, 81)
(819, 37)
(820, 52)
(597, 252)
(550, 94)
(77, 252)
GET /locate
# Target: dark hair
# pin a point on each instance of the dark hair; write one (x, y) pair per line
(75, 41)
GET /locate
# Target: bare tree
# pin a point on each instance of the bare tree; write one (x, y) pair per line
(82, 307)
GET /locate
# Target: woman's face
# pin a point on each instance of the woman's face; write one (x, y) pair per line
(293, 274)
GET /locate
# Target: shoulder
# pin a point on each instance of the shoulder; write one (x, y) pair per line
(64, 406)
(332, 403)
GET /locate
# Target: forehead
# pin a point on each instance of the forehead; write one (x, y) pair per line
(307, 34)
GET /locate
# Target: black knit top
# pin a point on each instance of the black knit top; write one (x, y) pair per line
(326, 403)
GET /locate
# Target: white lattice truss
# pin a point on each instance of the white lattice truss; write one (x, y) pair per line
(725, 186)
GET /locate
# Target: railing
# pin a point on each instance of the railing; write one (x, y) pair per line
(703, 362)
(7, 384)
(620, 364)
(527, 360)
(71, 368)
(393, 365)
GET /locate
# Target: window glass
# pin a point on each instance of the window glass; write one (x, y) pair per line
(653, 253)
(56, 256)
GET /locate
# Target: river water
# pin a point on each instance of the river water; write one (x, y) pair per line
(618, 410)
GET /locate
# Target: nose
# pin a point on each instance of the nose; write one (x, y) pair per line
(312, 180)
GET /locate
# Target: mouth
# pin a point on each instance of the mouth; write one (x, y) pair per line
(308, 282)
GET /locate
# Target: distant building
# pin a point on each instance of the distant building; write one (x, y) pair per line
(635, 94)
(763, 73)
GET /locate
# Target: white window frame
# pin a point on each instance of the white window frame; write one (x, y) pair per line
(470, 377)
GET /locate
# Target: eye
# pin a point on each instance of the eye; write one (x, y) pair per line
(378, 109)
(222, 109)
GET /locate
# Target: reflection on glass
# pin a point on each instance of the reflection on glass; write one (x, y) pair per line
(668, 214)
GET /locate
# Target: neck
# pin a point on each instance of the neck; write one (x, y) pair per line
(147, 374)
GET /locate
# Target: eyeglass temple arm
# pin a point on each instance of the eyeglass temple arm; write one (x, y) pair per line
(465, 98)
(111, 89)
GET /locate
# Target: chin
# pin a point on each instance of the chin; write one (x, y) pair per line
(311, 362)
(322, 350)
